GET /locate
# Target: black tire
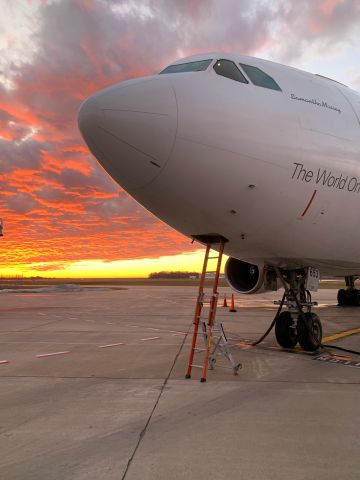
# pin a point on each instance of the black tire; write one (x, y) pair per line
(342, 297)
(309, 331)
(354, 298)
(285, 333)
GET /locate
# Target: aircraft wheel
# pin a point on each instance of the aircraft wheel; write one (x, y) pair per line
(355, 298)
(285, 333)
(342, 297)
(309, 331)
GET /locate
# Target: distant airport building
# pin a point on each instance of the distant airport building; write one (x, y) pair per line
(212, 275)
(11, 281)
(174, 275)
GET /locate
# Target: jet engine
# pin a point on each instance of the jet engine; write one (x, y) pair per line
(249, 278)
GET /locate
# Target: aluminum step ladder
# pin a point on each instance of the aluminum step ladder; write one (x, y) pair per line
(215, 343)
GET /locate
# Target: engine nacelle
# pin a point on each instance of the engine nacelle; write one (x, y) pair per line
(249, 278)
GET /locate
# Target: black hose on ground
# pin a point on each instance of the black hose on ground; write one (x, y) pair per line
(347, 350)
(271, 325)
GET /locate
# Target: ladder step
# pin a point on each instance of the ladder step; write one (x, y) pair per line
(196, 366)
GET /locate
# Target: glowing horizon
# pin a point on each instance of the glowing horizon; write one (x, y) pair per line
(139, 268)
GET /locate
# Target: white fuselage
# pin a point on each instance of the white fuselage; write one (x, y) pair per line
(277, 173)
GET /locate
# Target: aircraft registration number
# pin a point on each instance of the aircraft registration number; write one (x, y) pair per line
(312, 279)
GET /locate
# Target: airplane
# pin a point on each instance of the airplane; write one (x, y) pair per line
(263, 156)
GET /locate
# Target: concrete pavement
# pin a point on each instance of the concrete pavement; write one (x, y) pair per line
(117, 405)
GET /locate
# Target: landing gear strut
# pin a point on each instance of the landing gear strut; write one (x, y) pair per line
(297, 325)
(350, 295)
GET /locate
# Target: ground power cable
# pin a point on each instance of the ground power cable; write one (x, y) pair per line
(271, 326)
(347, 350)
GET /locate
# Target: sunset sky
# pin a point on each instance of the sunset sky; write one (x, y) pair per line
(63, 215)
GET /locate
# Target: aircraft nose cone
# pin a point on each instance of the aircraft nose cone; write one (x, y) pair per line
(131, 128)
(88, 119)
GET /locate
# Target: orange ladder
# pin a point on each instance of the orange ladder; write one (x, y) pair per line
(213, 333)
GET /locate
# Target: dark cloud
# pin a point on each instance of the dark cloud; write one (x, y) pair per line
(5, 117)
(20, 155)
(21, 203)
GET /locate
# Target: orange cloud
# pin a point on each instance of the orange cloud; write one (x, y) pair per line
(58, 204)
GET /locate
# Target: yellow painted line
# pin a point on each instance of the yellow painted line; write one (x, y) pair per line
(337, 336)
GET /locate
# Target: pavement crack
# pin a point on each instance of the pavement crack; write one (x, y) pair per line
(144, 430)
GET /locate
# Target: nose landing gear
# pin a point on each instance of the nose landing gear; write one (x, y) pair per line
(297, 325)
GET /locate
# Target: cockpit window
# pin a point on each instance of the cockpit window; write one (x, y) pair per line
(260, 78)
(199, 66)
(228, 69)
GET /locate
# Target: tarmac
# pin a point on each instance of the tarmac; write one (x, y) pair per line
(93, 387)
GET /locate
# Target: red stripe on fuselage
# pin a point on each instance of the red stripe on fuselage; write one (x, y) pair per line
(309, 203)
